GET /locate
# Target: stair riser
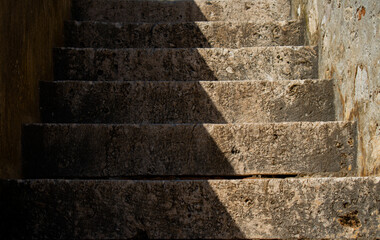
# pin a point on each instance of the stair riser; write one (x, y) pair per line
(187, 102)
(181, 11)
(72, 151)
(270, 63)
(183, 35)
(316, 208)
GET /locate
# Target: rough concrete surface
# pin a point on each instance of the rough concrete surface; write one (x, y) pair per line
(181, 11)
(182, 64)
(348, 33)
(86, 150)
(183, 35)
(28, 32)
(187, 102)
(314, 208)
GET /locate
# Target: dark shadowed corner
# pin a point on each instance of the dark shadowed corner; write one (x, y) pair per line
(29, 30)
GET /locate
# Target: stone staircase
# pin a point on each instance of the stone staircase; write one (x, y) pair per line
(188, 120)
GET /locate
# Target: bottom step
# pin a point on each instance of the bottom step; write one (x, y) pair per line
(191, 209)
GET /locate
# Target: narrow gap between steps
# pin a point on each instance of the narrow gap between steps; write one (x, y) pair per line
(152, 178)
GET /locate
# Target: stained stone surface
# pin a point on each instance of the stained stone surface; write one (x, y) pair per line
(181, 11)
(183, 64)
(187, 102)
(316, 208)
(85, 150)
(183, 35)
(350, 53)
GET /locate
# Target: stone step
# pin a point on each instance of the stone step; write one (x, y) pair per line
(96, 151)
(314, 208)
(187, 102)
(181, 11)
(260, 63)
(183, 35)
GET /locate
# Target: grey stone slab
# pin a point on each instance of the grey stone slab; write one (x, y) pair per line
(183, 35)
(86, 150)
(183, 64)
(187, 102)
(181, 11)
(314, 208)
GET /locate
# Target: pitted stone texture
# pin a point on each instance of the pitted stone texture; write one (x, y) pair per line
(72, 151)
(181, 11)
(183, 64)
(314, 208)
(183, 35)
(187, 102)
(349, 33)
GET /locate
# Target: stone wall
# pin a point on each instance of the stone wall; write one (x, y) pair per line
(29, 29)
(348, 34)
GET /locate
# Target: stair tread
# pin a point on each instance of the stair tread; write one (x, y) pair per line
(154, 11)
(316, 208)
(187, 102)
(122, 150)
(280, 62)
(187, 34)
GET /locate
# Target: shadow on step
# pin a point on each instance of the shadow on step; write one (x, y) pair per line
(131, 102)
(186, 64)
(183, 50)
(94, 209)
(112, 151)
(58, 209)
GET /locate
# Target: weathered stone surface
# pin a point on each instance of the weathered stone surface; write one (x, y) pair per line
(187, 102)
(181, 11)
(56, 150)
(314, 208)
(349, 33)
(183, 35)
(259, 63)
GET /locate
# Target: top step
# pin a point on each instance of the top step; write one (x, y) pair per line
(181, 10)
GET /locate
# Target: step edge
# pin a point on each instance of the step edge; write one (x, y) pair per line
(180, 49)
(275, 22)
(27, 125)
(85, 82)
(375, 179)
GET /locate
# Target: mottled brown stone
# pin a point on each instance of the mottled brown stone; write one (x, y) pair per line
(183, 64)
(314, 208)
(181, 11)
(183, 35)
(85, 150)
(187, 102)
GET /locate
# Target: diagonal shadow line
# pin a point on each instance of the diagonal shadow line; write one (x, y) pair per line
(138, 11)
(185, 64)
(47, 154)
(198, 34)
(168, 156)
(164, 59)
(179, 10)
